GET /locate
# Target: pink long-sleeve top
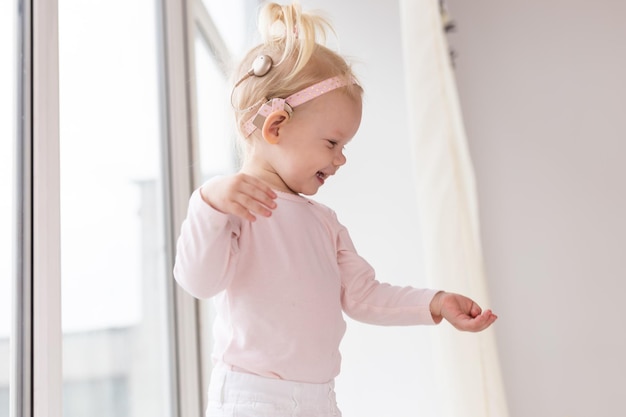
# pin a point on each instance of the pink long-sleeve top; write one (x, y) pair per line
(280, 285)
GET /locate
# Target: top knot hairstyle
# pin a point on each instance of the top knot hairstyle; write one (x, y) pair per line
(293, 40)
(296, 32)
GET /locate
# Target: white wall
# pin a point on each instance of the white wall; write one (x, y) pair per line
(544, 99)
(543, 91)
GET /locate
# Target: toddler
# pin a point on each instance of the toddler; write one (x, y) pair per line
(281, 268)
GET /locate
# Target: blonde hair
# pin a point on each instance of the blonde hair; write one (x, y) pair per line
(293, 40)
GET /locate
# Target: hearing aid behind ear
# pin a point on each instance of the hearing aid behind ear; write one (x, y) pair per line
(261, 65)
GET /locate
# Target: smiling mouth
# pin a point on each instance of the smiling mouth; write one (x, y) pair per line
(321, 176)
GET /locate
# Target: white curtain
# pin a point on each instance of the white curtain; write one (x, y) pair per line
(466, 364)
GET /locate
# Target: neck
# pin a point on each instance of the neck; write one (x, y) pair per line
(264, 172)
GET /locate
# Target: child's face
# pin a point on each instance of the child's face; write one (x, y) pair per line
(311, 143)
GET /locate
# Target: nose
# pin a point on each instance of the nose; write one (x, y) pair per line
(340, 159)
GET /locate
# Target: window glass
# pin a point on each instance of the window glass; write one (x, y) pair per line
(229, 18)
(7, 175)
(215, 116)
(114, 319)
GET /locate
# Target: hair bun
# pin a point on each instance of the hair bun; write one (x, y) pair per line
(277, 21)
(293, 32)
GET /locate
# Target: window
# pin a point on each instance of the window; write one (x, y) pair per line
(113, 269)
(215, 120)
(104, 305)
(232, 20)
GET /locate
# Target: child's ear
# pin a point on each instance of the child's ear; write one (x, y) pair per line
(272, 124)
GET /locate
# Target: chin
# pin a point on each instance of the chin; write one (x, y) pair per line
(305, 189)
(308, 192)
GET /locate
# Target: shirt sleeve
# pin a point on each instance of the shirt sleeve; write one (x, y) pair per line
(206, 250)
(365, 299)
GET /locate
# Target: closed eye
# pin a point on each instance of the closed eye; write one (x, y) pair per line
(332, 143)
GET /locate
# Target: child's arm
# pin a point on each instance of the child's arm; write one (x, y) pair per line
(207, 247)
(241, 195)
(461, 312)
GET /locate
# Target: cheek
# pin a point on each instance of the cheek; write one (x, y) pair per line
(296, 126)
(300, 162)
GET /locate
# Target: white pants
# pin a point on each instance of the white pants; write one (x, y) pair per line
(238, 394)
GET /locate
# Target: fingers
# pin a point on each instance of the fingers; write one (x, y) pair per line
(483, 321)
(253, 197)
(475, 324)
(241, 195)
(464, 314)
(475, 310)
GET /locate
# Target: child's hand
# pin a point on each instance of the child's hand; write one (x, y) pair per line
(241, 195)
(461, 312)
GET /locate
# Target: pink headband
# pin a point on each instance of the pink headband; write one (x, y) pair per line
(294, 100)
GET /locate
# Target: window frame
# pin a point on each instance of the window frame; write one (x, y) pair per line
(180, 20)
(36, 338)
(178, 143)
(36, 332)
